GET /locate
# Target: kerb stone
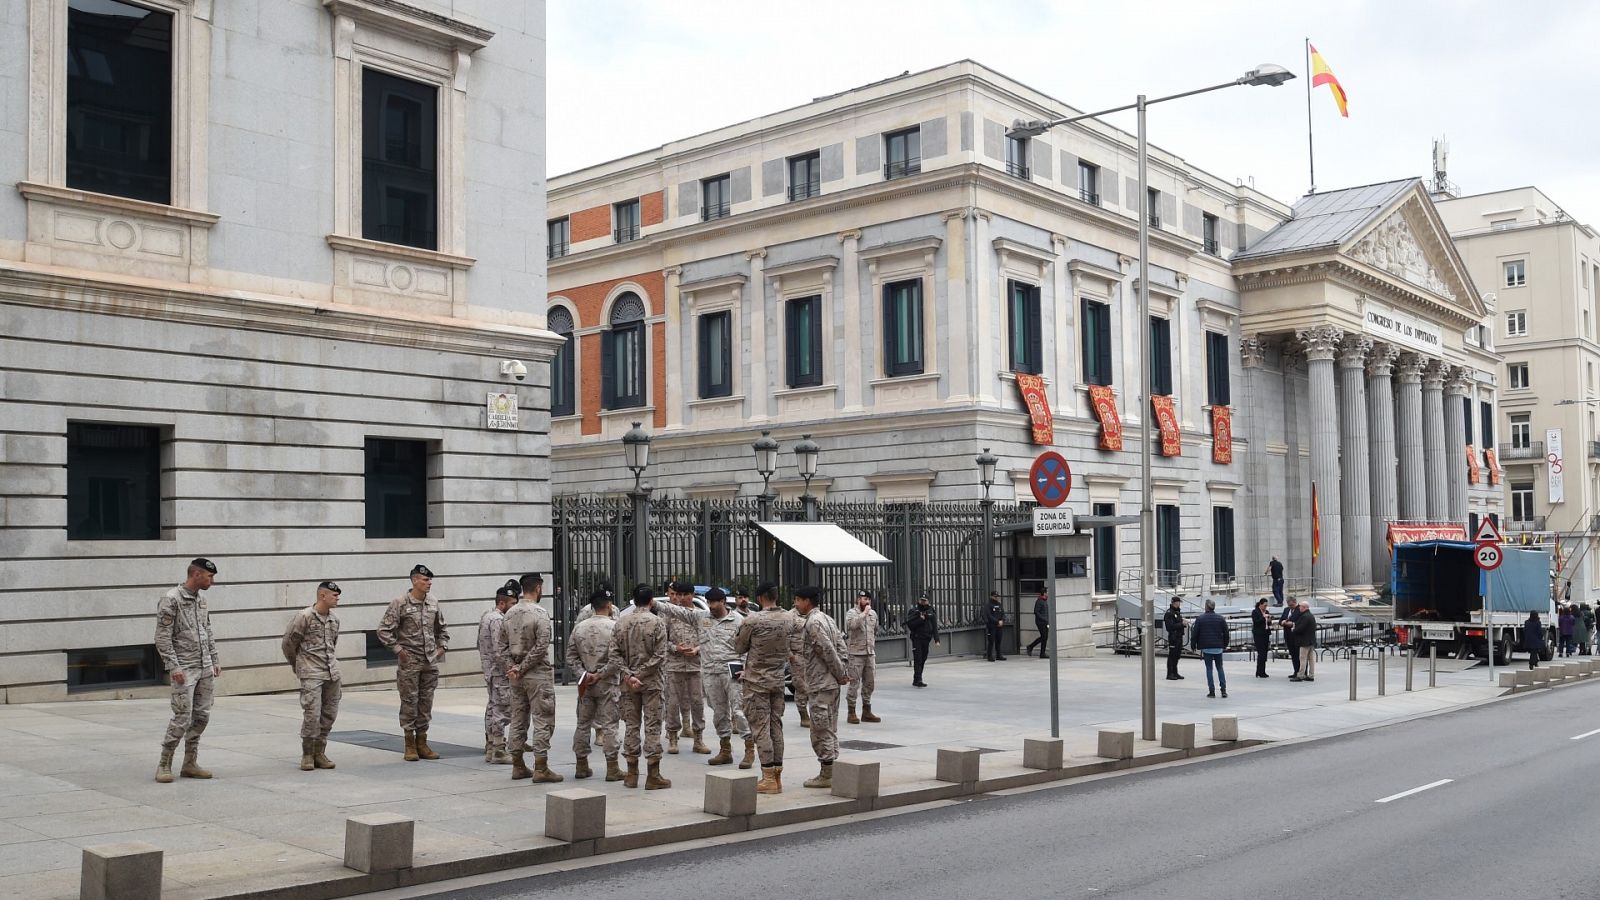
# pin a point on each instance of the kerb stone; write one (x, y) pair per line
(958, 765)
(577, 815)
(733, 793)
(1043, 753)
(1116, 745)
(125, 871)
(378, 842)
(855, 778)
(1177, 735)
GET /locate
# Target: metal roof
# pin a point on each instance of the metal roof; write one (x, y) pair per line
(1328, 220)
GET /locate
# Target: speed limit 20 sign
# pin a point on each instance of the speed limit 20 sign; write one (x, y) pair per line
(1488, 556)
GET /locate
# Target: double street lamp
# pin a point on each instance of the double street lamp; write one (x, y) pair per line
(806, 454)
(636, 456)
(1265, 74)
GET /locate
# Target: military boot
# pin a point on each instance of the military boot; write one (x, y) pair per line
(519, 768)
(306, 764)
(498, 755)
(749, 753)
(613, 771)
(191, 765)
(319, 755)
(852, 717)
(805, 717)
(632, 778)
(488, 749)
(866, 712)
(672, 742)
(582, 770)
(542, 773)
(164, 767)
(824, 777)
(699, 742)
(411, 746)
(771, 780)
(654, 781)
(724, 754)
(423, 750)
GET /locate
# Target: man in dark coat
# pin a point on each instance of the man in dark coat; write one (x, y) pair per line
(1041, 621)
(1211, 639)
(1261, 633)
(1286, 622)
(994, 619)
(1173, 622)
(1533, 639)
(1305, 639)
(1275, 569)
(922, 624)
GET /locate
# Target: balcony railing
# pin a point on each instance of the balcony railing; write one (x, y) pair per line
(1018, 170)
(902, 168)
(1534, 524)
(1155, 220)
(1212, 248)
(804, 190)
(556, 250)
(715, 211)
(1090, 197)
(1594, 523)
(1530, 450)
(1594, 449)
(623, 235)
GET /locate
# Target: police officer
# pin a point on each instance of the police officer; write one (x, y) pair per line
(497, 712)
(413, 627)
(822, 656)
(861, 640)
(717, 634)
(589, 655)
(310, 644)
(994, 619)
(638, 653)
(524, 642)
(188, 651)
(1174, 624)
(764, 642)
(922, 624)
(686, 710)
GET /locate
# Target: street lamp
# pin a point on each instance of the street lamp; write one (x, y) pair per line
(986, 462)
(805, 459)
(766, 450)
(1264, 74)
(636, 452)
(636, 455)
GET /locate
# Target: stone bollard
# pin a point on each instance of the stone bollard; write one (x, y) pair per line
(734, 793)
(855, 778)
(1224, 728)
(126, 871)
(1508, 679)
(1116, 745)
(1177, 735)
(1524, 677)
(378, 842)
(575, 815)
(1043, 753)
(958, 765)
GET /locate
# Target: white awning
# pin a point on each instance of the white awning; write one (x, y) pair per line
(824, 543)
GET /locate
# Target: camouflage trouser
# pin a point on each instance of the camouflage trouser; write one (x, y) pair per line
(685, 708)
(415, 681)
(800, 691)
(823, 707)
(533, 696)
(597, 710)
(319, 706)
(727, 709)
(863, 677)
(764, 710)
(497, 712)
(191, 709)
(641, 706)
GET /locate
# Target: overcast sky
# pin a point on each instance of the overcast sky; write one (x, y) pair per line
(1512, 85)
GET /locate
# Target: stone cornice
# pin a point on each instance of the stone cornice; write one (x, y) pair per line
(1356, 275)
(413, 22)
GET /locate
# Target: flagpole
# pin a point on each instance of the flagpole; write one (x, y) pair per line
(1311, 144)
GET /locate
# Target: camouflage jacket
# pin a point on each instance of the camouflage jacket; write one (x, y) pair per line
(589, 649)
(524, 638)
(639, 649)
(861, 631)
(311, 645)
(764, 640)
(488, 653)
(417, 628)
(716, 642)
(822, 652)
(683, 628)
(183, 632)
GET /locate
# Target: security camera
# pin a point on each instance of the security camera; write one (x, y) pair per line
(514, 368)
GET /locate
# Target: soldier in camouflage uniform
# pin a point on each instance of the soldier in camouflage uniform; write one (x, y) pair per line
(589, 654)
(861, 640)
(524, 642)
(822, 657)
(311, 645)
(413, 627)
(604, 590)
(497, 712)
(686, 710)
(717, 633)
(188, 651)
(764, 641)
(638, 653)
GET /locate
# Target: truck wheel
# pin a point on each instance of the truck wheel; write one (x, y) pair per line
(1503, 650)
(1548, 653)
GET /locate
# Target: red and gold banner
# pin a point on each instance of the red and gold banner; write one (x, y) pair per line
(1406, 534)
(1316, 524)
(1104, 401)
(1493, 463)
(1038, 403)
(1167, 421)
(1473, 471)
(1221, 435)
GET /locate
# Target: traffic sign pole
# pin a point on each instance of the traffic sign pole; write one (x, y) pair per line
(1488, 554)
(1051, 480)
(1055, 651)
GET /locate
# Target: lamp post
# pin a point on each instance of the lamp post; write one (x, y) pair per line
(636, 455)
(1265, 74)
(805, 459)
(766, 450)
(986, 462)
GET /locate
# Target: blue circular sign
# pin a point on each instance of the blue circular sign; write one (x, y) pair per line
(1050, 478)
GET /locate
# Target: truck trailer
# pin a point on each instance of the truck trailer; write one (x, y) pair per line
(1438, 593)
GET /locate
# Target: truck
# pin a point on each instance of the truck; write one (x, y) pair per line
(1438, 592)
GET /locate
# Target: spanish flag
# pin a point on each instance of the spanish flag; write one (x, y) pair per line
(1316, 524)
(1321, 74)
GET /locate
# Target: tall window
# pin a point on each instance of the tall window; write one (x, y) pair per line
(622, 355)
(1218, 391)
(1516, 272)
(902, 153)
(902, 327)
(1088, 182)
(716, 195)
(625, 221)
(802, 339)
(1027, 353)
(1521, 431)
(805, 176)
(397, 488)
(1153, 201)
(558, 233)
(1466, 416)
(399, 160)
(1522, 502)
(1518, 373)
(1222, 543)
(1105, 551)
(119, 100)
(1017, 157)
(1096, 324)
(1160, 355)
(113, 482)
(716, 354)
(1486, 422)
(1169, 547)
(563, 401)
(1517, 323)
(1208, 233)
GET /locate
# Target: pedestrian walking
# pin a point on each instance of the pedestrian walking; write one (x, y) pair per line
(1564, 630)
(1211, 639)
(413, 627)
(686, 709)
(1580, 631)
(1275, 570)
(822, 655)
(589, 655)
(1533, 639)
(1587, 613)
(719, 681)
(922, 624)
(524, 642)
(638, 654)
(310, 644)
(1261, 625)
(764, 642)
(497, 712)
(1286, 622)
(994, 620)
(861, 642)
(1041, 623)
(188, 651)
(1173, 622)
(1305, 639)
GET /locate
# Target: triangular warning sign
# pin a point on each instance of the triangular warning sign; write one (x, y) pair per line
(1487, 532)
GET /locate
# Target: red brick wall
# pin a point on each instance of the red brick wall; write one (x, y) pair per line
(652, 208)
(588, 224)
(590, 300)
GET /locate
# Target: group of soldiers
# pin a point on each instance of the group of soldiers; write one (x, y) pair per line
(650, 663)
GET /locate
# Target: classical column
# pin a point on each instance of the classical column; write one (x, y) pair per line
(1355, 501)
(679, 352)
(1321, 343)
(760, 386)
(1380, 434)
(1433, 440)
(1246, 422)
(1455, 444)
(1408, 437)
(847, 296)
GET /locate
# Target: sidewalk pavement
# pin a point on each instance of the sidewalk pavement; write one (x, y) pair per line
(80, 774)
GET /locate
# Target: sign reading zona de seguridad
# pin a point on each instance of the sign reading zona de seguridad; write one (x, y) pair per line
(1049, 522)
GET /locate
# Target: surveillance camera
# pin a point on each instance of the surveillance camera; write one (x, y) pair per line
(514, 368)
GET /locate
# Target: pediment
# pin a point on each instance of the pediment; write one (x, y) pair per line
(1408, 244)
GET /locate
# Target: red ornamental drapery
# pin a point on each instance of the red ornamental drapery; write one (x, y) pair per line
(1221, 435)
(1104, 401)
(1167, 420)
(1473, 471)
(1038, 403)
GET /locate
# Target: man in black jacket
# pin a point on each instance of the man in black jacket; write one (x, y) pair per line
(1286, 622)
(994, 620)
(1041, 621)
(1211, 639)
(1173, 622)
(1305, 639)
(1261, 632)
(922, 624)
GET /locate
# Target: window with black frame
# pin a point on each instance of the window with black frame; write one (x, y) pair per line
(1017, 157)
(716, 195)
(802, 330)
(625, 221)
(1026, 328)
(1218, 376)
(1160, 356)
(902, 153)
(805, 176)
(622, 360)
(558, 234)
(1169, 546)
(1105, 551)
(1096, 325)
(1208, 234)
(396, 479)
(1222, 563)
(1088, 182)
(119, 100)
(563, 396)
(902, 327)
(399, 160)
(716, 354)
(113, 482)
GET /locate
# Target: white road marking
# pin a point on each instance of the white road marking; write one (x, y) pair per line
(1579, 737)
(1416, 790)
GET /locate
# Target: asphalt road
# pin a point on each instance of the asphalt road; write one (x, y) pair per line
(1520, 816)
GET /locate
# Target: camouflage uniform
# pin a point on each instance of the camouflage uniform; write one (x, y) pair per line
(524, 642)
(861, 640)
(311, 646)
(722, 692)
(685, 707)
(186, 644)
(589, 651)
(822, 657)
(639, 650)
(797, 665)
(497, 713)
(417, 627)
(764, 640)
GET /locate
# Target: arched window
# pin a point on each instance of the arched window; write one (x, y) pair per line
(562, 401)
(622, 374)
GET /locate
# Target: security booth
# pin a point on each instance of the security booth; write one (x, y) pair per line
(825, 555)
(1072, 632)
